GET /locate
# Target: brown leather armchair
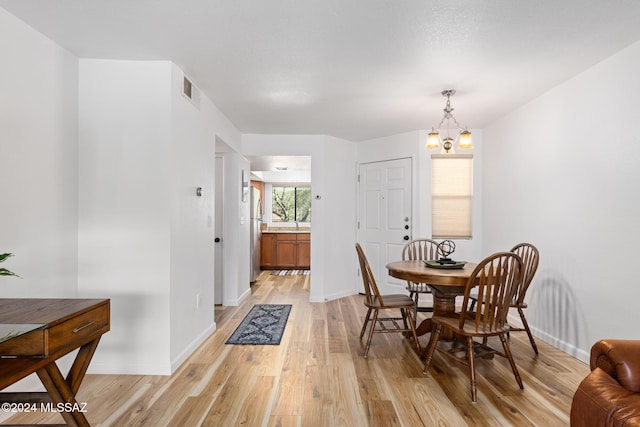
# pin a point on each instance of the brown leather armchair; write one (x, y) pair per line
(610, 394)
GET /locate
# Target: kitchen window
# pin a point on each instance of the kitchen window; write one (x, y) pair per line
(291, 204)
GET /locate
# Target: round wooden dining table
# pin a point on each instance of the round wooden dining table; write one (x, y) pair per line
(447, 284)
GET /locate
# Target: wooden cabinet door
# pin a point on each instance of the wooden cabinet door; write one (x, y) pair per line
(286, 253)
(304, 254)
(268, 250)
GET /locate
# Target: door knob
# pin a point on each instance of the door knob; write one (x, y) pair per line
(406, 227)
(406, 237)
(217, 240)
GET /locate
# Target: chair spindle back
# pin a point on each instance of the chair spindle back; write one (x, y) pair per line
(370, 287)
(421, 249)
(497, 279)
(530, 259)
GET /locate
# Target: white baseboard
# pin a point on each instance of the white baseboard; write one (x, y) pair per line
(334, 296)
(568, 348)
(175, 364)
(236, 302)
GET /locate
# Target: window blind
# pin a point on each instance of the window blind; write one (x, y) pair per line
(451, 195)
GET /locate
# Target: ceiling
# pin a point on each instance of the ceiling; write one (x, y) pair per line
(280, 163)
(352, 69)
(281, 169)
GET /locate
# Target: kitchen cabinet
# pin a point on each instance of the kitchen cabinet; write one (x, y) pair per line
(267, 251)
(303, 255)
(285, 250)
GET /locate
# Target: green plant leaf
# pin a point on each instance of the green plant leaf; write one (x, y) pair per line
(5, 272)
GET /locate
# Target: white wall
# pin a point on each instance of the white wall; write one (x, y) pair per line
(562, 172)
(412, 145)
(114, 215)
(125, 208)
(38, 162)
(333, 230)
(192, 221)
(235, 236)
(146, 238)
(38, 169)
(333, 213)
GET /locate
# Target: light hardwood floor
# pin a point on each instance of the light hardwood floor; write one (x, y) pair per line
(318, 377)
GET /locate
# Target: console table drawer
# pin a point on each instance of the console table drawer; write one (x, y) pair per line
(66, 324)
(31, 344)
(77, 330)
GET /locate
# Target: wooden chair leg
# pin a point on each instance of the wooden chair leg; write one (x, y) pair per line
(435, 336)
(371, 329)
(366, 321)
(412, 323)
(526, 328)
(514, 368)
(416, 297)
(472, 370)
(403, 312)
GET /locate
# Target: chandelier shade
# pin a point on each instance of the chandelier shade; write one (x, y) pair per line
(435, 142)
(465, 142)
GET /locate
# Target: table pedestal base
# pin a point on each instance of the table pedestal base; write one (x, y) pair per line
(443, 304)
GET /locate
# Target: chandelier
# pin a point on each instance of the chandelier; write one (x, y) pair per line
(434, 141)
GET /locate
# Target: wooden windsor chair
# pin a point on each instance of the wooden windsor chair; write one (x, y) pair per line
(420, 249)
(530, 257)
(375, 302)
(496, 279)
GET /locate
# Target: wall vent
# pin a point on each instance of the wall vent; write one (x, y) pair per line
(190, 91)
(187, 87)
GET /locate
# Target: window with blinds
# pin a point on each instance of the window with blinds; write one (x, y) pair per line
(451, 195)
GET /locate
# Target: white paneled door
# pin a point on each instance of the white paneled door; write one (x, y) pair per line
(384, 211)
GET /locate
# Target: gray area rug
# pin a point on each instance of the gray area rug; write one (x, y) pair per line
(264, 324)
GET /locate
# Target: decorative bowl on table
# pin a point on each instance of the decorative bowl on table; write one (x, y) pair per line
(450, 265)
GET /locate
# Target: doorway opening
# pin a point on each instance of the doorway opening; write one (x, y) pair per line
(281, 188)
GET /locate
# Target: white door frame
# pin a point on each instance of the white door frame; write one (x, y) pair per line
(218, 227)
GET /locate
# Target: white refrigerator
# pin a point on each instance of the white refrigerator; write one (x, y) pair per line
(256, 232)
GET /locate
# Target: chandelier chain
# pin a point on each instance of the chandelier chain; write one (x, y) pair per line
(447, 112)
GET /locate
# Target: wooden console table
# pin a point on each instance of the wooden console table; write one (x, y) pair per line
(58, 326)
